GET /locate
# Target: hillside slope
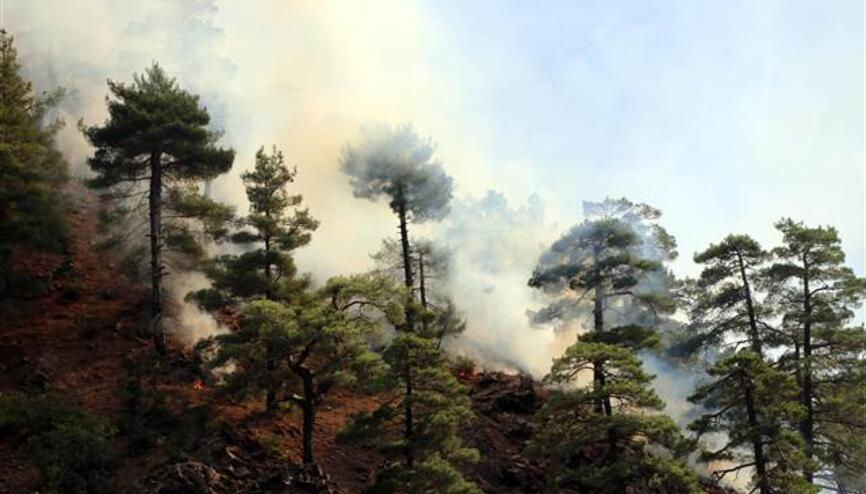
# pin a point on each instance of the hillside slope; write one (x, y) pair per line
(77, 339)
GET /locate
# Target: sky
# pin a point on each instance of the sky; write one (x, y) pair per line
(726, 115)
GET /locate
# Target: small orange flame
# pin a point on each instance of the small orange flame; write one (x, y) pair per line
(198, 385)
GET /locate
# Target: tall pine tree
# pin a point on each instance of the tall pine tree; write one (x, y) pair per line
(605, 265)
(399, 165)
(156, 143)
(728, 317)
(817, 294)
(601, 263)
(274, 228)
(31, 169)
(439, 408)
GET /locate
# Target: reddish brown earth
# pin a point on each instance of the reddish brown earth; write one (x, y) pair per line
(49, 340)
(72, 340)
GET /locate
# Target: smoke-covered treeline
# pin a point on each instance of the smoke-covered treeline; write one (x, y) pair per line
(393, 269)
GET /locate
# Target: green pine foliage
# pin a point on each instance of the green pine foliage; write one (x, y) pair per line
(745, 398)
(300, 351)
(567, 425)
(152, 155)
(816, 296)
(606, 265)
(31, 168)
(269, 234)
(752, 407)
(273, 229)
(435, 410)
(791, 418)
(727, 304)
(72, 449)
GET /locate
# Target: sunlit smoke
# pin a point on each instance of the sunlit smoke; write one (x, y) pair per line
(189, 324)
(493, 248)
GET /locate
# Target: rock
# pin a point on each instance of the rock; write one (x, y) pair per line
(505, 405)
(189, 476)
(496, 392)
(234, 461)
(35, 374)
(108, 294)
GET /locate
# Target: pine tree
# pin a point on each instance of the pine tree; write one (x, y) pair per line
(398, 164)
(275, 227)
(745, 397)
(439, 407)
(313, 345)
(601, 261)
(156, 143)
(439, 316)
(817, 294)
(610, 261)
(727, 313)
(752, 409)
(567, 424)
(31, 169)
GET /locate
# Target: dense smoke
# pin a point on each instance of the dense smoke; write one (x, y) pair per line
(300, 104)
(493, 246)
(117, 40)
(189, 323)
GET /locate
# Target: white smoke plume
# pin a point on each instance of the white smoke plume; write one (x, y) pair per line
(188, 324)
(304, 76)
(493, 248)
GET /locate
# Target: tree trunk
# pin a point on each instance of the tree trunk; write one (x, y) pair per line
(807, 427)
(271, 392)
(422, 289)
(407, 261)
(757, 436)
(751, 405)
(309, 409)
(754, 336)
(798, 371)
(155, 211)
(267, 267)
(603, 406)
(408, 431)
(270, 365)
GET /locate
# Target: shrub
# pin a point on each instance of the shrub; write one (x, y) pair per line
(71, 448)
(463, 366)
